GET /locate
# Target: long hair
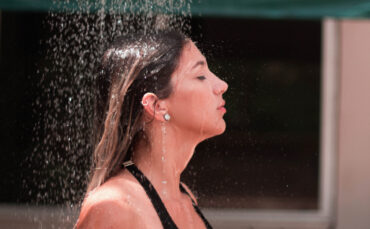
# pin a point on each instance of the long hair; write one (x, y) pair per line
(133, 65)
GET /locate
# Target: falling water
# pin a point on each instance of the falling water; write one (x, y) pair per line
(163, 158)
(79, 32)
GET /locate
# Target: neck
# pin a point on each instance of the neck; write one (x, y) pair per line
(165, 159)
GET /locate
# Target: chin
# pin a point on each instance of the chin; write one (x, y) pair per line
(220, 129)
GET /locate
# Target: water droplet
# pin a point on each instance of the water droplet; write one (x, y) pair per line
(75, 46)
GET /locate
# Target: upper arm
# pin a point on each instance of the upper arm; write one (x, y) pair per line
(107, 214)
(190, 192)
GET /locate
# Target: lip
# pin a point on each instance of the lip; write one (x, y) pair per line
(222, 107)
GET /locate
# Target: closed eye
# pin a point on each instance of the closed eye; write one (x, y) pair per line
(201, 77)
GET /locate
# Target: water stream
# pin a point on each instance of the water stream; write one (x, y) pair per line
(65, 108)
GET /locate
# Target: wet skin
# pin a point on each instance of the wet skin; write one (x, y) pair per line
(196, 108)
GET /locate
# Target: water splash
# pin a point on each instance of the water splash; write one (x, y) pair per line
(67, 80)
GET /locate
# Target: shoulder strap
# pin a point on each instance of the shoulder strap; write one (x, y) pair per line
(197, 209)
(161, 210)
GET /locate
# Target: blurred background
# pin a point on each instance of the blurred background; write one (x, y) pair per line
(297, 146)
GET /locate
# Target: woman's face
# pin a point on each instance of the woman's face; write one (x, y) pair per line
(196, 104)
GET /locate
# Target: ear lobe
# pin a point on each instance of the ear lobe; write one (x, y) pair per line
(160, 110)
(154, 107)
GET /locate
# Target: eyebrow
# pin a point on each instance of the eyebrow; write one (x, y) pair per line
(201, 62)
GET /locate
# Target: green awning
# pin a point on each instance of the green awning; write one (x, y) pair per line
(305, 9)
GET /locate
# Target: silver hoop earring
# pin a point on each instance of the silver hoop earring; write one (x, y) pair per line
(166, 117)
(145, 103)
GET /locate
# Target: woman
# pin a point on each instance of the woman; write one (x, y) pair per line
(163, 101)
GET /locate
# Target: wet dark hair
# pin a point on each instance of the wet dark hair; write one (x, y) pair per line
(133, 65)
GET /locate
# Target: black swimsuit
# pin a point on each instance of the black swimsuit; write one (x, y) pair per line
(161, 210)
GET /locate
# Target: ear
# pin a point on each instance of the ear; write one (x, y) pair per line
(154, 107)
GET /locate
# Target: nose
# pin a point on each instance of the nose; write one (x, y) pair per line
(220, 87)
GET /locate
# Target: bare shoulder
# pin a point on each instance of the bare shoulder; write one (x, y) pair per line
(190, 192)
(105, 214)
(108, 207)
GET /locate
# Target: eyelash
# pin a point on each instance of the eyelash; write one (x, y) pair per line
(201, 77)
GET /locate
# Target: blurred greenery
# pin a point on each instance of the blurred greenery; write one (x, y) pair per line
(302, 9)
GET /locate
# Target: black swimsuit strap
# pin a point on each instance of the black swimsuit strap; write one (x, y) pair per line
(197, 209)
(161, 210)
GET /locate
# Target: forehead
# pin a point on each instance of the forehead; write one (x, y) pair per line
(190, 56)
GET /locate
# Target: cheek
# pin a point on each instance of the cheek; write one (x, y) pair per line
(203, 113)
(191, 102)
(195, 108)
(199, 98)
